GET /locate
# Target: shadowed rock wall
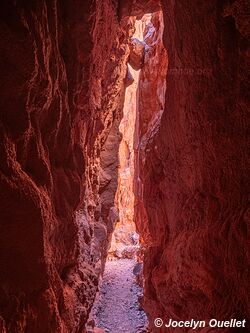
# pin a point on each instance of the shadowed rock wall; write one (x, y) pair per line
(62, 72)
(195, 171)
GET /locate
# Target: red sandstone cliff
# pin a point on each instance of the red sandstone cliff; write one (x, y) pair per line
(195, 170)
(62, 71)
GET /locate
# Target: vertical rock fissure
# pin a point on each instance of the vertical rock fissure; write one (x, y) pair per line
(117, 306)
(125, 240)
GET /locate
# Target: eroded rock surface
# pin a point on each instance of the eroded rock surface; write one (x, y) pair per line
(125, 240)
(63, 66)
(137, 53)
(195, 170)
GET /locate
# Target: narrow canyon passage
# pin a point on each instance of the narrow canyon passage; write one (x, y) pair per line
(124, 140)
(117, 307)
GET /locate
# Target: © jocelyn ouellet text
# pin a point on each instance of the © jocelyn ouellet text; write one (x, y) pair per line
(158, 322)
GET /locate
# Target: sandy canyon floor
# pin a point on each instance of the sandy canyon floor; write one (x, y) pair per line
(117, 308)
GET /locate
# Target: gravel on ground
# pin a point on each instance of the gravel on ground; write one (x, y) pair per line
(116, 309)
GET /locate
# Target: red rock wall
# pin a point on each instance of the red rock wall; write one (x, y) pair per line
(62, 68)
(195, 170)
(151, 100)
(62, 71)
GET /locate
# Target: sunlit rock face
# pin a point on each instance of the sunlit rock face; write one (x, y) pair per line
(137, 53)
(194, 170)
(125, 240)
(125, 227)
(63, 66)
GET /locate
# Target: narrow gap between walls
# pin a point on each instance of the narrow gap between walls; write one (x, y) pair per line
(117, 307)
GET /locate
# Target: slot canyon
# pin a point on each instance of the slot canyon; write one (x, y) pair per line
(124, 149)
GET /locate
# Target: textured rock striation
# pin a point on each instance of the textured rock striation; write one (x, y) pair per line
(63, 66)
(193, 199)
(151, 100)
